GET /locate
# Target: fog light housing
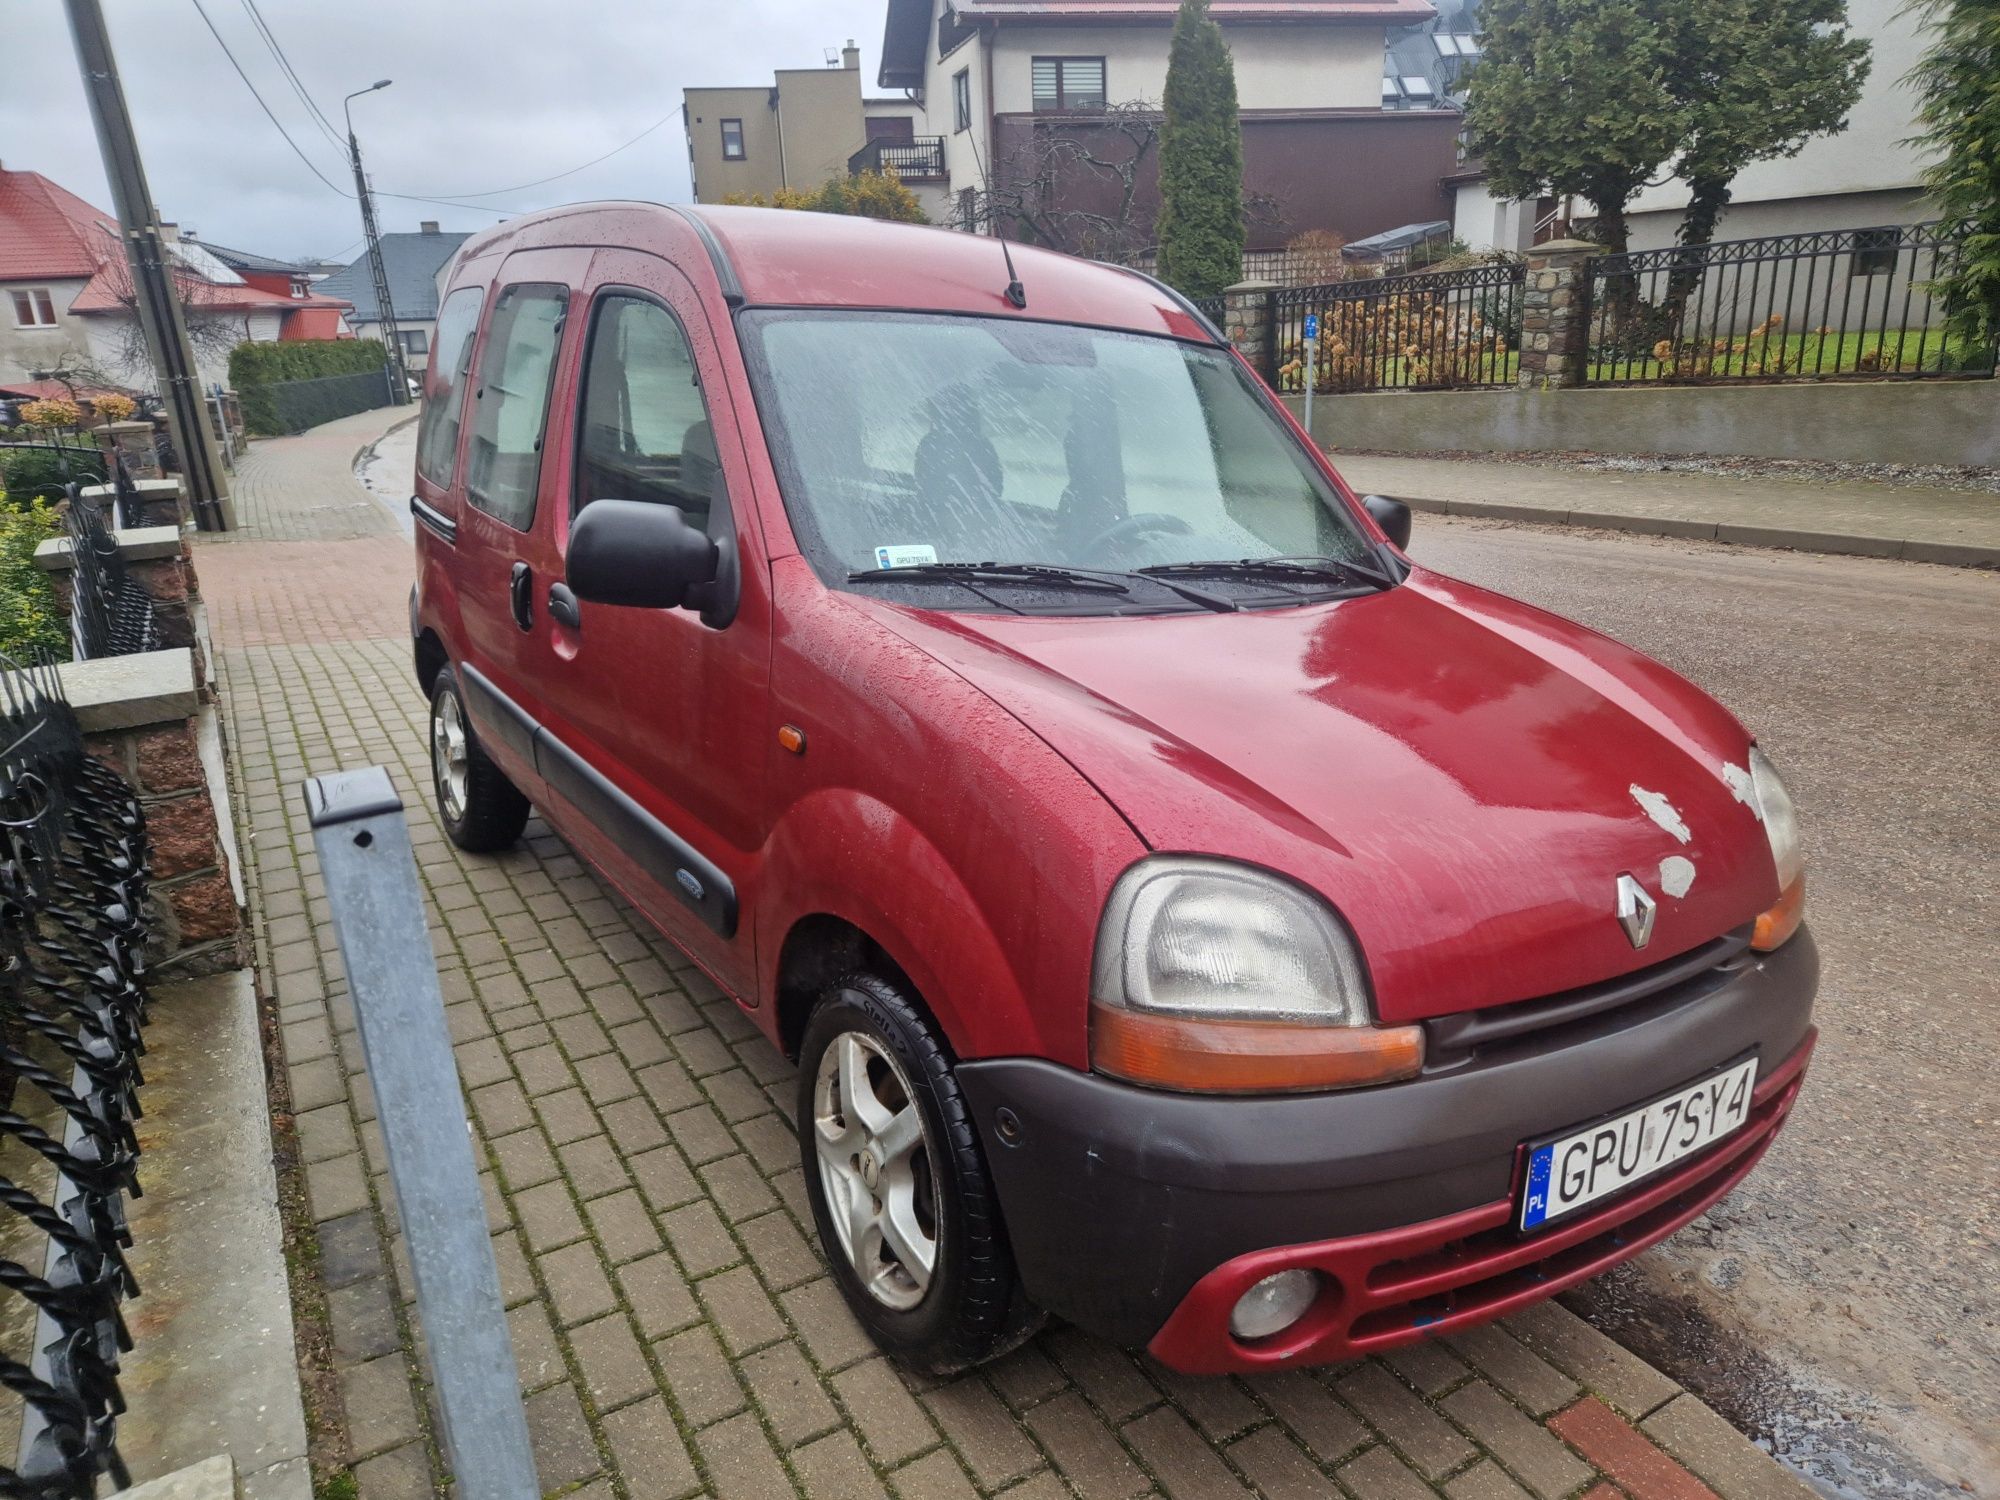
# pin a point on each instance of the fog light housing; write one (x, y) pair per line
(1274, 1304)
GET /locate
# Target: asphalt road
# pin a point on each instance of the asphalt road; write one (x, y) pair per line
(1844, 1303)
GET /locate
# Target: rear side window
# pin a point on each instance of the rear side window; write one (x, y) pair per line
(444, 390)
(515, 368)
(645, 431)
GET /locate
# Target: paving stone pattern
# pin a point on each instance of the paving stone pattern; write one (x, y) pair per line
(675, 1326)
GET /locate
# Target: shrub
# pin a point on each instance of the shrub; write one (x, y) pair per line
(114, 408)
(29, 619)
(865, 195)
(254, 367)
(1437, 343)
(54, 412)
(39, 473)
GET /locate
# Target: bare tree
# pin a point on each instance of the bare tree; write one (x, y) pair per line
(213, 330)
(1076, 182)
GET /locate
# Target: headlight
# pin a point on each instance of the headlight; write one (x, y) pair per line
(1781, 826)
(1216, 977)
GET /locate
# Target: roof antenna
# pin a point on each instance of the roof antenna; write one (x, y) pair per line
(1017, 295)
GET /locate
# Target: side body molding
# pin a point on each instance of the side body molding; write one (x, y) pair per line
(673, 863)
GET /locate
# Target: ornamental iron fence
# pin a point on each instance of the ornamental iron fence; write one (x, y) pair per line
(1834, 305)
(1435, 330)
(110, 614)
(73, 892)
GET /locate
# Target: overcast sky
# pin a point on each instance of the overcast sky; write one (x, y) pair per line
(487, 94)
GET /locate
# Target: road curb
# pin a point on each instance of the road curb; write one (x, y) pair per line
(1831, 543)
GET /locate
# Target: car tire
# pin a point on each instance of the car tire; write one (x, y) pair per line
(481, 810)
(918, 1185)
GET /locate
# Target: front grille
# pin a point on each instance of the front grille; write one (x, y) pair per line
(1455, 1038)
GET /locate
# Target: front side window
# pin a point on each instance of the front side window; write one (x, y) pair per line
(504, 461)
(34, 308)
(732, 140)
(1067, 83)
(444, 386)
(917, 438)
(644, 433)
(961, 99)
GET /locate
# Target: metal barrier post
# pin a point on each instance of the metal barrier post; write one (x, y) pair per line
(365, 859)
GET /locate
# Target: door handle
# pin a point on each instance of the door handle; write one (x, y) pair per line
(563, 606)
(520, 595)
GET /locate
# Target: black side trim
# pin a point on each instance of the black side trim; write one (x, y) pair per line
(501, 716)
(725, 272)
(436, 520)
(672, 862)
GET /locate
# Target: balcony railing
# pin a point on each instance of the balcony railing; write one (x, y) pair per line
(920, 159)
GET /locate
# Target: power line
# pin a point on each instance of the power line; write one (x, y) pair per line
(524, 186)
(275, 121)
(277, 52)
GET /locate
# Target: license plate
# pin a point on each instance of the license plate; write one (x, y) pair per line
(1573, 1171)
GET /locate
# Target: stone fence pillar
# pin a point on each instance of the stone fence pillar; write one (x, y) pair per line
(142, 715)
(135, 441)
(162, 502)
(1555, 312)
(1246, 322)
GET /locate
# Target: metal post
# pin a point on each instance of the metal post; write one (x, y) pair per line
(158, 307)
(364, 852)
(1311, 347)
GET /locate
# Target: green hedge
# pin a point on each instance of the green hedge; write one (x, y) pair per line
(254, 368)
(30, 474)
(29, 619)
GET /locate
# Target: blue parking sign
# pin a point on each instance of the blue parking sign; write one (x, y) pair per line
(1312, 325)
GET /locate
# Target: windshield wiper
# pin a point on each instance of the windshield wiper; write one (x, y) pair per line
(1092, 579)
(1291, 569)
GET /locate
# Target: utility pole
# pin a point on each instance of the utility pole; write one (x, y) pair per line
(385, 311)
(152, 268)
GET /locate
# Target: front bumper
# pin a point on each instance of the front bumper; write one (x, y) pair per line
(1142, 1215)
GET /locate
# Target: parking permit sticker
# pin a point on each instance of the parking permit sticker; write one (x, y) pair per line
(905, 557)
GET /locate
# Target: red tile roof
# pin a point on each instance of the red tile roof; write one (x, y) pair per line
(46, 230)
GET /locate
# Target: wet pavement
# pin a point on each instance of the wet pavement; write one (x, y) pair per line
(1844, 1302)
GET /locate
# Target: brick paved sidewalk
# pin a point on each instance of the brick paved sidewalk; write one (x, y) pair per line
(676, 1328)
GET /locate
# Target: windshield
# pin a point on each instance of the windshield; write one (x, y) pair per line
(907, 439)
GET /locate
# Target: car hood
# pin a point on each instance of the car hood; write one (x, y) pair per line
(1463, 776)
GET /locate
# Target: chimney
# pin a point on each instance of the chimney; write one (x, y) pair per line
(850, 57)
(428, 226)
(170, 231)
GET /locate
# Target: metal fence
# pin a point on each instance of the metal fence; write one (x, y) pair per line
(110, 615)
(288, 406)
(1212, 308)
(73, 875)
(1436, 330)
(1841, 304)
(922, 157)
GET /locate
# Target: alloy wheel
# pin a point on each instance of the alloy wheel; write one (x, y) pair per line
(877, 1169)
(450, 754)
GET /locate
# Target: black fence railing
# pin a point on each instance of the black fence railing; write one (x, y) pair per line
(1437, 330)
(110, 614)
(922, 157)
(1840, 304)
(73, 875)
(1212, 308)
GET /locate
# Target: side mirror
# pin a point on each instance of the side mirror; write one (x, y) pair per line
(1391, 515)
(639, 555)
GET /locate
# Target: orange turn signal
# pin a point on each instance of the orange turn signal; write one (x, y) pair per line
(1775, 927)
(1205, 1056)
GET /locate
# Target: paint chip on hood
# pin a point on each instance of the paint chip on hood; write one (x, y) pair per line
(1742, 788)
(1656, 806)
(1676, 875)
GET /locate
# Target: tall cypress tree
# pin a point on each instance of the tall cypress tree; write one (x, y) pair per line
(1201, 160)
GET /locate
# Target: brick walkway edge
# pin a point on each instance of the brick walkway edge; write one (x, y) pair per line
(676, 1328)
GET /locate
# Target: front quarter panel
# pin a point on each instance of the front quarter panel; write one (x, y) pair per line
(932, 819)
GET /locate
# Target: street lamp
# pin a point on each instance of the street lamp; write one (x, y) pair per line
(399, 380)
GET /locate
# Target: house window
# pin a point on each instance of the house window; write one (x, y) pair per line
(961, 99)
(34, 308)
(732, 140)
(1068, 83)
(1875, 251)
(415, 340)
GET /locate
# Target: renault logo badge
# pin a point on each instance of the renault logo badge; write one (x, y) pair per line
(1636, 911)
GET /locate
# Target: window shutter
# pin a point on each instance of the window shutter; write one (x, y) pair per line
(1083, 83)
(1047, 81)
